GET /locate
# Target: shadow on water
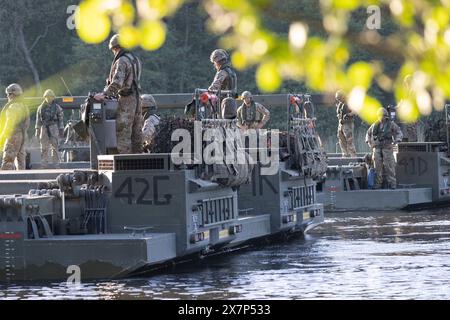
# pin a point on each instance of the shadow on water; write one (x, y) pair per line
(378, 255)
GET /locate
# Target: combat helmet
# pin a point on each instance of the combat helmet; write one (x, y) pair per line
(339, 95)
(229, 108)
(114, 41)
(218, 55)
(246, 94)
(14, 89)
(148, 103)
(49, 93)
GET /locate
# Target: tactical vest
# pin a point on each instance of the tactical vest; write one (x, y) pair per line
(383, 136)
(49, 114)
(136, 69)
(230, 83)
(250, 114)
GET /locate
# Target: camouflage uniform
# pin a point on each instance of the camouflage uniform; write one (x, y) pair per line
(225, 79)
(17, 121)
(381, 136)
(252, 116)
(49, 121)
(149, 129)
(123, 81)
(411, 132)
(345, 130)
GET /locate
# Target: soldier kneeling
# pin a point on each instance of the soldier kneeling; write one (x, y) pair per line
(152, 120)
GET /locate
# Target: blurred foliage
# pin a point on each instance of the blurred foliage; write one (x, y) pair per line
(316, 49)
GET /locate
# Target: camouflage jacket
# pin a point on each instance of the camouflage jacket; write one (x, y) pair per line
(149, 128)
(252, 115)
(48, 115)
(16, 118)
(342, 112)
(124, 77)
(225, 79)
(383, 137)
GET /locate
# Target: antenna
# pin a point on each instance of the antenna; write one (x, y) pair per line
(65, 85)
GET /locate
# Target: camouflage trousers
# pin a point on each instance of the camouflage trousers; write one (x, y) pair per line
(384, 158)
(129, 122)
(49, 144)
(14, 149)
(345, 138)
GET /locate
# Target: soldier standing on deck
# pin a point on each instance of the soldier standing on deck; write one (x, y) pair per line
(345, 127)
(49, 127)
(225, 78)
(251, 115)
(124, 83)
(381, 137)
(13, 132)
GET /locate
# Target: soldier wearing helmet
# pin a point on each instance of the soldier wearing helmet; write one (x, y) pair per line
(381, 137)
(49, 128)
(123, 83)
(251, 115)
(225, 78)
(152, 120)
(13, 131)
(345, 127)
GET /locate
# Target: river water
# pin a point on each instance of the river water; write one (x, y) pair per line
(387, 255)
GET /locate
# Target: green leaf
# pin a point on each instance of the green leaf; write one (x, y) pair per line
(268, 77)
(360, 74)
(346, 4)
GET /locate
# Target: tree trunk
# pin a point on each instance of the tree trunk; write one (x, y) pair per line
(185, 48)
(27, 55)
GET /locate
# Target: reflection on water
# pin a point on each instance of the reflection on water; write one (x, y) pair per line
(352, 256)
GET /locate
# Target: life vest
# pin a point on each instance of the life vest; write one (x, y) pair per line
(49, 113)
(136, 69)
(382, 135)
(230, 82)
(250, 114)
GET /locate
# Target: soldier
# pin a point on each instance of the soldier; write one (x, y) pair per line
(345, 127)
(381, 137)
(225, 78)
(13, 135)
(124, 82)
(251, 115)
(49, 127)
(149, 108)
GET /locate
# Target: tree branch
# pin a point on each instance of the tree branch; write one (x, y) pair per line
(27, 55)
(383, 47)
(41, 36)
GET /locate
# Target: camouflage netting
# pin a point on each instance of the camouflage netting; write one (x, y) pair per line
(229, 175)
(435, 129)
(308, 155)
(162, 142)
